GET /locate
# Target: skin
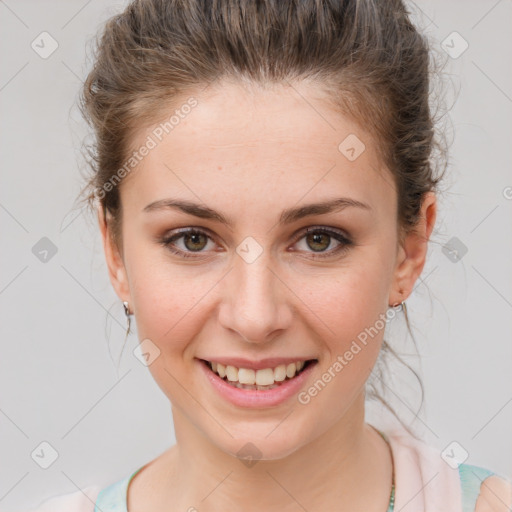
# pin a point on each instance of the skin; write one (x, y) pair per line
(495, 495)
(250, 153)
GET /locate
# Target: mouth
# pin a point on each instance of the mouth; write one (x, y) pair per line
(261, 380)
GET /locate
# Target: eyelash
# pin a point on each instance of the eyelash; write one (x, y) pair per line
(345, 242)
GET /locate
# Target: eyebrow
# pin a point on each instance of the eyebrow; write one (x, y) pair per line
(287, 216)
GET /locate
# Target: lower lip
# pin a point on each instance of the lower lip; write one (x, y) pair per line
(257, 398)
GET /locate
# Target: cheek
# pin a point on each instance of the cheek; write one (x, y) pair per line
(167, 298)
(348, 303)
(171, 314)
(350, 314)
(168, 310)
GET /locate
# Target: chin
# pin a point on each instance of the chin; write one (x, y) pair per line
(269, 442)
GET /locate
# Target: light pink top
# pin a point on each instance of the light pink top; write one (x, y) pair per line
(423, 481)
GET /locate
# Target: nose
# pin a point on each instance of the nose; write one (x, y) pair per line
(255, 303)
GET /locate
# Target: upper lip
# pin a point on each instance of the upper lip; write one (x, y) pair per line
(270, 362)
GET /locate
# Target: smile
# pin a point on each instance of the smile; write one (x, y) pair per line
(262, 379)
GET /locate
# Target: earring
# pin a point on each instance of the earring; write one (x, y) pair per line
(128, 315)
(403, 306)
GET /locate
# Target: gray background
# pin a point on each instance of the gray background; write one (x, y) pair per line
(62, 325)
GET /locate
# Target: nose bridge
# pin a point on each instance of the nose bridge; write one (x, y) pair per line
(254, 305)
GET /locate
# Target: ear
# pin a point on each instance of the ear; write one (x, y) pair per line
(413, 251)
(115, 263)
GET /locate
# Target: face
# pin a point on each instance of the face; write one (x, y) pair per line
(253, 271)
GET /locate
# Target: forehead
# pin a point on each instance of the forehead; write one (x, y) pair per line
(261, 142)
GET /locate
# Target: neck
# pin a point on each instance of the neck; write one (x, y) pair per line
(349, 467)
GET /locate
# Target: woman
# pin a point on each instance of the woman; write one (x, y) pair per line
(265, 195)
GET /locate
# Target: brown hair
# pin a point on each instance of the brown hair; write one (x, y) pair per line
(366, 54)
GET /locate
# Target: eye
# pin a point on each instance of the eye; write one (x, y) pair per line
(194, 241)
(320, 239)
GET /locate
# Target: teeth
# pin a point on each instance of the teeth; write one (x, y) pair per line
(232, 373)
(259, 388)
(265, 377)
(290, 370)
(246, 378)
(280, 373)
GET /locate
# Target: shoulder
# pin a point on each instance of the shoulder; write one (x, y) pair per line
(484, 490)
(78, 501)
(495, 495)
(478, 488)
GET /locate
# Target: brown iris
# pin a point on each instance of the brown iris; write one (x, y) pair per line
(196, 239)
(317, 239)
